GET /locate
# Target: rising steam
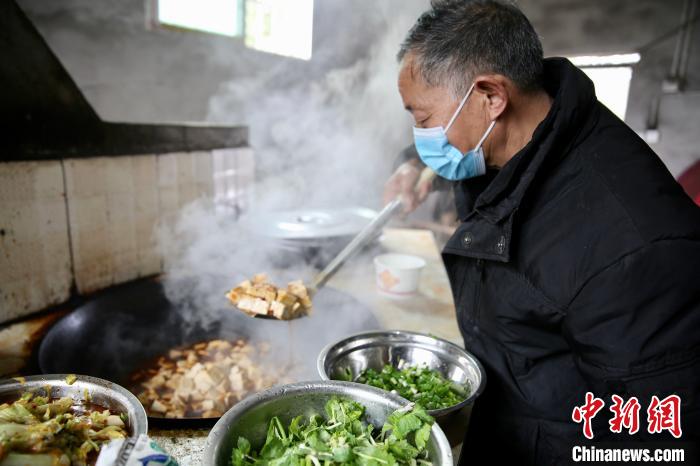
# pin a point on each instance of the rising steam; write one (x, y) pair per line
(325, 143)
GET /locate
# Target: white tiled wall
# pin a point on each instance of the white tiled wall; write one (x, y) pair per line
(182, 178)
(35, 265)
(113, 205)
(234, 172)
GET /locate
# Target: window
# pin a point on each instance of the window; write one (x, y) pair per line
(216, 16)
(611, 75)
(282, 27)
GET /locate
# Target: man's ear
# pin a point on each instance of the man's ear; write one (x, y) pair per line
(495, 90)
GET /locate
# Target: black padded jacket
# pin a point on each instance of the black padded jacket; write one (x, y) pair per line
(575, 269)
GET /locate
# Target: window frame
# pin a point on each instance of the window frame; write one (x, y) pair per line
(622, 60)
(154, 22)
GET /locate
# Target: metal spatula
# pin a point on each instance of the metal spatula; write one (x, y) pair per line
(359, 241)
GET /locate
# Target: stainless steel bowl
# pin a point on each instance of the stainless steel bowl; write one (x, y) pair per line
(100, 391)
(377, 348)
(250, 417)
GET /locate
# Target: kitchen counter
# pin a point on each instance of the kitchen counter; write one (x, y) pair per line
(430, 311)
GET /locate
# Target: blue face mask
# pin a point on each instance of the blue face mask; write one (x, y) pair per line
(445, 159)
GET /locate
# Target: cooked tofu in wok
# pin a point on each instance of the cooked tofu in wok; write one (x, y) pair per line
(203, 380)
(259, 297)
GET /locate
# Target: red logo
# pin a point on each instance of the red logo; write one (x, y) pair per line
(661, 415)
(665, 415)
(625, 415)
(587, 412)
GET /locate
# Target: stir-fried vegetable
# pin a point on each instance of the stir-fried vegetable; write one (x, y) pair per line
(424, 386)
(35, 430)
(342, 438)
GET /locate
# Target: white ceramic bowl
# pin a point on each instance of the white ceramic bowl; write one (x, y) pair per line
(397, 275)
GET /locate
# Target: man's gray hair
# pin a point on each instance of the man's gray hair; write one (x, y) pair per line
(456, 40)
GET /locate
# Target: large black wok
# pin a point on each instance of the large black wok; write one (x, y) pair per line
(125, 327)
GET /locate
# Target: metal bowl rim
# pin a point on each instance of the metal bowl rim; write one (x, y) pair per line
(220, 429)
(323, 355)
(139, 421)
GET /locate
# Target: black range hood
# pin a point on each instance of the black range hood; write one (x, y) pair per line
(44, 115)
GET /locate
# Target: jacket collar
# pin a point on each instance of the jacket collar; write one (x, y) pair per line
(494, 198)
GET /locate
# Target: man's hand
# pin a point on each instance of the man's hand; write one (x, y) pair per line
(403, 183)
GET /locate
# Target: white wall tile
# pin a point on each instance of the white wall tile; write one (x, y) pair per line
(183, 177)
(234, 174)
(35, 268)
(113, 210)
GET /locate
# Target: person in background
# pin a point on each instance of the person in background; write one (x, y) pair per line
(574, 264)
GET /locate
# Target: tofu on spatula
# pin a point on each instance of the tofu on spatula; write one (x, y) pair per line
(260, 298)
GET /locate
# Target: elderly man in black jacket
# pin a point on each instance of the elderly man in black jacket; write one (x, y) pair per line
(575, 266)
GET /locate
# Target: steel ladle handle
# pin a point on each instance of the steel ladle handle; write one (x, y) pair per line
(364, 236)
